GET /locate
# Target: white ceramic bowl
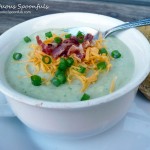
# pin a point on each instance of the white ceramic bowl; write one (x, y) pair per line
(75, 118)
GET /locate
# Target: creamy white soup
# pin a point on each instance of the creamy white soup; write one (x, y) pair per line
(60, 67)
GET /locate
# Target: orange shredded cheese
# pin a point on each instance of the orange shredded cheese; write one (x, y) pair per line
(92, 57)
(50, 40)
(112, 86)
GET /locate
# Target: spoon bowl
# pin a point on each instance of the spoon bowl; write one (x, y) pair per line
(108, 32)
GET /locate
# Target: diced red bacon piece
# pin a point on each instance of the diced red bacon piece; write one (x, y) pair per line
(80, 55)
(88, 37)
(60, 50)
(72, 40)
(67, 47)
(78, 50)
(86, 44)
(45, 48)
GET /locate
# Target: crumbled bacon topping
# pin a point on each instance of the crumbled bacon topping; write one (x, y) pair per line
(67, 46)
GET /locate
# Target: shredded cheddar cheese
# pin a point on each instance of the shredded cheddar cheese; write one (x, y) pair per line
(50, 40)
(92, 57)
(112, 86)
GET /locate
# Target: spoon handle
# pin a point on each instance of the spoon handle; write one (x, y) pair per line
(138, 23)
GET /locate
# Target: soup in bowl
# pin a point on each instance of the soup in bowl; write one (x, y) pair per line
(66, 68)
(62, 91)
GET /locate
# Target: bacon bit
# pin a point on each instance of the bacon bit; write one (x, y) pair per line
(45, 48)
(78, 50)
(72, 40)
(87, 41)
(67, 47)
(60, 50)
(86, 44)
(39, 41)
(80, 55)
(72, 49)
(88, 37)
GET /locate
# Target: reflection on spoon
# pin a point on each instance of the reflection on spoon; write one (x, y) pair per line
(108, 32)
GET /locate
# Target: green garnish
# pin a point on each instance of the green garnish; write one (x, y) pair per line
(81, 69)
(62, 78)
(80, 40)
(36, 80)
(102, 65)
(115, 54)
(103, 51)
(85, 97)
(80, 37)
(59, 72)
(55, 82)
(46, 59)
(63, 64)
(80, 34)
(70, 61)
(49, 34)
(27, 39)
(17, 56)
(67, 36)
(58, 40)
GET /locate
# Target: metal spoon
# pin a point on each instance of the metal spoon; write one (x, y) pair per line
(95, 32)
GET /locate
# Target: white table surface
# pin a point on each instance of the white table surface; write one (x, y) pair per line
(131, 133)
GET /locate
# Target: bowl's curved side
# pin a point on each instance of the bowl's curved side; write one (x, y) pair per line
(73, 123)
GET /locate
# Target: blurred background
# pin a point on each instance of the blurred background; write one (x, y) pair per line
(133, 2)
(126, 10)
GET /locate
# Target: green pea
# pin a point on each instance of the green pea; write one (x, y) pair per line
(55, 82)
(49, 34)
(115, 54)
(101, 65)
(67, 36)
(17, 56)
(82, 69)
(59, 72)
(85, 97)
(80, 37)
(36, 80)
(63, 64)
(46, 59)
(70, 61)
(62, 78)
(27, 39)
(103, 51)
(58, 40)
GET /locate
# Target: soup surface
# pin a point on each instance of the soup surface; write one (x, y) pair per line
(120, 73)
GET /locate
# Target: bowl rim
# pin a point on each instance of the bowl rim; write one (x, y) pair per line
(79, 104)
